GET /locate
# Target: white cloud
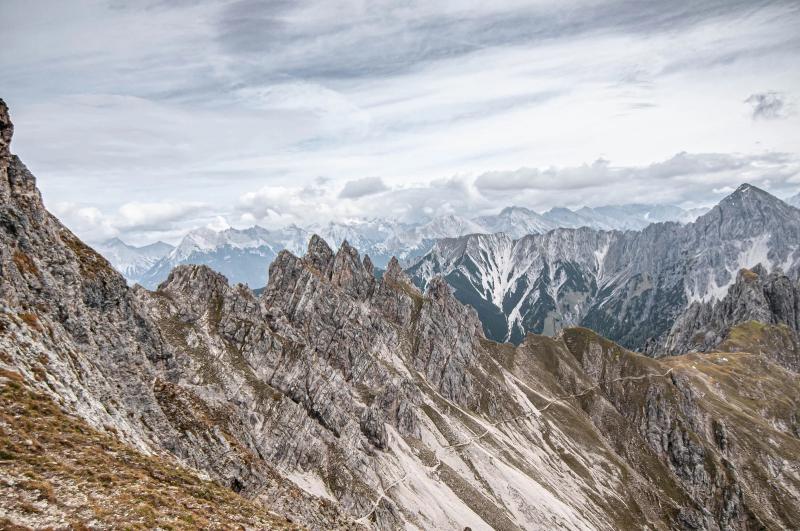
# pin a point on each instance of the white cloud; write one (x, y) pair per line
(134, 221)
(219, 223)
(155, 215)
(89, 222)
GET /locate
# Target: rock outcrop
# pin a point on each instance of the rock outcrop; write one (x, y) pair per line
(757, 296)
(703, 416)
(72, 329)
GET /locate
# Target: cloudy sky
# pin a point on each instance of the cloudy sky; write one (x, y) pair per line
(143, 119)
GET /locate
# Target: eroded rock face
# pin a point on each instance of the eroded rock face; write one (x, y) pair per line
(341, 401)
(757, 296)
(684, 408)
(71, 326)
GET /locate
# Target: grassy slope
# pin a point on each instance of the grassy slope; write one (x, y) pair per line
(57, 471)
(743, 394)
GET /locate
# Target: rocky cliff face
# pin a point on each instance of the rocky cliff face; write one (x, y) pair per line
(72, 329)
(704, 420)
(757, 296)
(539, 283)
(340, 401)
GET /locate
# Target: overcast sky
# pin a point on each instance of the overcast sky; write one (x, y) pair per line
(142, 119)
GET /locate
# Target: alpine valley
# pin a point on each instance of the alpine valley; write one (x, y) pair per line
(338, 400)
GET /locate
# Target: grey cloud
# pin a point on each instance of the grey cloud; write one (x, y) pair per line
(386, 38)
(505, 181)
(363, 187)
(767, 105)
(695, 163)
(683, 168)
(743, 50)
(450, 114)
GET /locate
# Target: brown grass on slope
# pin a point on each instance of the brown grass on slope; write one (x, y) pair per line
(57, 471)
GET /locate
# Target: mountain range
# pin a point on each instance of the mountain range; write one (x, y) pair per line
(132, 261)
(337, 400)
(628, 285)
(243, 255)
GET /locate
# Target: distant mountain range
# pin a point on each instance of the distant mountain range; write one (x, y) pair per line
(629, 286)
(134, 262)
(244, 255)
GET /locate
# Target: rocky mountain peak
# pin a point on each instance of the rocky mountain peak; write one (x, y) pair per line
(748, 195)
(560, 211)
(369, 267)
(192, 278)
(750, 212)
(751, 202)
(115, 242)
(319, 253)
(511, 210)
(349, 273)
(755, 273)
(394, 272)
(757, 295)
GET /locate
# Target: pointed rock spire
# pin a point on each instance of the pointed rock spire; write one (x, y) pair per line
(394, 272)
(15, 179)
(319, 254)
(350, 274)
(6, 131)
(368, 265)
